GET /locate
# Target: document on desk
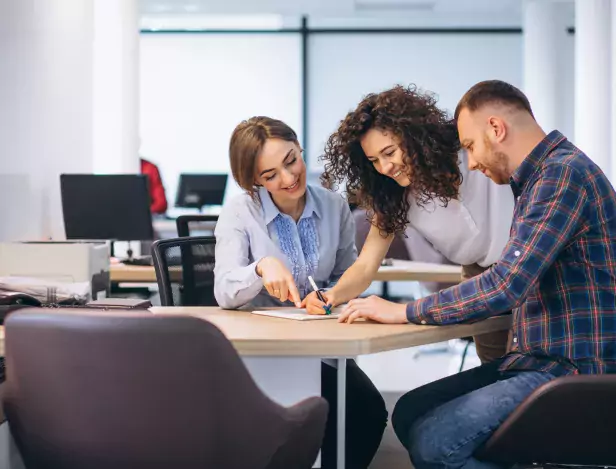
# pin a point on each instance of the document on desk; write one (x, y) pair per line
(298, 314)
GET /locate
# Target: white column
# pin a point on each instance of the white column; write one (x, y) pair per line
(116, 86)
(545, 30)
(45, 110)
(593, 103)
(612, 175)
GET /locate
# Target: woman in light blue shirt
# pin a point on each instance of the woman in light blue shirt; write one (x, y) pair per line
(270, 239)
(264, 254)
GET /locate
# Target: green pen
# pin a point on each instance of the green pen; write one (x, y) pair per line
(319, 295)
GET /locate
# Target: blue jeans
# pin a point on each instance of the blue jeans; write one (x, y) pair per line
(443, 423)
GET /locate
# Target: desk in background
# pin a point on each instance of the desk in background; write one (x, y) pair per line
(167, 228)
(404, 271)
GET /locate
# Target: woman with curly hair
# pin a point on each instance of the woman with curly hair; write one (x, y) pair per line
(400, 157)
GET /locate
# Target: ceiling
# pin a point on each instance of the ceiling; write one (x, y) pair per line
(348, 7)
(392, 13)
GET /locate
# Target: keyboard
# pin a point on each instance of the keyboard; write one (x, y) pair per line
(141, 260)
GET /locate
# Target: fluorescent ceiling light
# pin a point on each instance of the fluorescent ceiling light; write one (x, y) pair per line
(393, 5)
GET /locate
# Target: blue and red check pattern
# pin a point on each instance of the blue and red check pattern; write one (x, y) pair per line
(559, 268)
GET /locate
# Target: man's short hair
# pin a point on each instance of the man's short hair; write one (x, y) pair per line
(493, 92)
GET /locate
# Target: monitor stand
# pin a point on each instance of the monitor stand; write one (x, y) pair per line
(129, 251)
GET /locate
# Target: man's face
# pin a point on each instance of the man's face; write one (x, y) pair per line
(476, 136)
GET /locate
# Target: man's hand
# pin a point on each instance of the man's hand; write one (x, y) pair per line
(376, 309)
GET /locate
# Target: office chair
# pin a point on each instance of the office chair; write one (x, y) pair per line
(125, 390)
(567, 421)
(183, 222)
(185, 270)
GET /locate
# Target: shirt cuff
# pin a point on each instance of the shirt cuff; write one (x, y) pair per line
(416, 312)
(244, 282)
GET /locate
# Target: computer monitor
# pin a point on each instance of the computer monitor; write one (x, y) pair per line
(114, 207)
(198, 190)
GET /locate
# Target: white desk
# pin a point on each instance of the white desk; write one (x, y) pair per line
(167, 228)
(399, 271)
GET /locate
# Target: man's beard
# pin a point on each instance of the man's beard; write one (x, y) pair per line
(497, 164)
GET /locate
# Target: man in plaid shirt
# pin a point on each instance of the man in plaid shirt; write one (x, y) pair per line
(557, 273)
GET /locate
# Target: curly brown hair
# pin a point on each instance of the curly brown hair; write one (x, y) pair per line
(428, 138)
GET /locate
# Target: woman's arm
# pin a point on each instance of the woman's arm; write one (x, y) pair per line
(346, 254)
(235, 278)
(359, 276)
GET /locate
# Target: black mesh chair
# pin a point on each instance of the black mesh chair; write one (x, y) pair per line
(185, 222)
(185, 270)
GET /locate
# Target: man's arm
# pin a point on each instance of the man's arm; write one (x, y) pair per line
(548, 223)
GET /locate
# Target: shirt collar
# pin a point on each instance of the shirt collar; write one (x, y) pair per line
(531, 163)
(270, 211)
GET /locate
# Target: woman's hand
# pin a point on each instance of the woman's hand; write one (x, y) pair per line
(277, 280)
(315, 306)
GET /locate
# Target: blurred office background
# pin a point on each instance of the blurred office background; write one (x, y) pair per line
(89, 86)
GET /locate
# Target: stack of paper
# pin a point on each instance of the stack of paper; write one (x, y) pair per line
(298, 314)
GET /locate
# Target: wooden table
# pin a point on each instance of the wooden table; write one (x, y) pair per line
(284, 356)
(254, 335)
(400, 271)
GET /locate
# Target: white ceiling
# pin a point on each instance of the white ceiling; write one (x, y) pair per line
(149, 7)
(412, 13)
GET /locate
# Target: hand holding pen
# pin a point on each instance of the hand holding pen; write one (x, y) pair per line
(317, 302)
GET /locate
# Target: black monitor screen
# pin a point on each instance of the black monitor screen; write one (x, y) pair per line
(197, 190)
(115, 207)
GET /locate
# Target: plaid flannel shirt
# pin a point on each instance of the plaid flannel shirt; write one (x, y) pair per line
(559, 268)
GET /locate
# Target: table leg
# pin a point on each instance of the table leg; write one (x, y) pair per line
(341, 417)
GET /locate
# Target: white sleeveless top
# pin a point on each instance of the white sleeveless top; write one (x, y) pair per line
(473, 229)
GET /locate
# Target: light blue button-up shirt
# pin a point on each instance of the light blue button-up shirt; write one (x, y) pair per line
(321, 244)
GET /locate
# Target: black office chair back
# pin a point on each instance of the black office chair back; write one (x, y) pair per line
(185, 223)
(185, 270)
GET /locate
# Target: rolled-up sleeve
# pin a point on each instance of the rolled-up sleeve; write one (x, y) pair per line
(235, 278)
(548, 223)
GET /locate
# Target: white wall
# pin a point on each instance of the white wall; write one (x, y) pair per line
(45, 110)
(116, 86)
(566, 90)
(346, 67)
(196, 88)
